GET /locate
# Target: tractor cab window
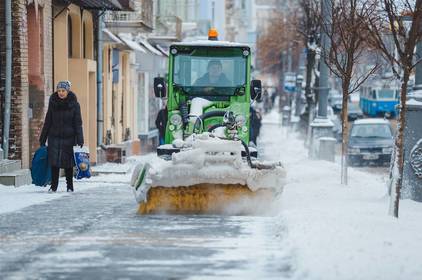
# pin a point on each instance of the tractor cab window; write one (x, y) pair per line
(210, 72)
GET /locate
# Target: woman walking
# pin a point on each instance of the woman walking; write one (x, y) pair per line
(63, 129)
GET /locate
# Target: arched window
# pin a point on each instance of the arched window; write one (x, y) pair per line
(87, 37)
(84, 40)
(69, 37)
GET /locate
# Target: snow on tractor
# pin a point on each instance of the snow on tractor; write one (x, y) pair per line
(205, 165)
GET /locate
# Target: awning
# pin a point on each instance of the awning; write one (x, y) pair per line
(128, 5)
(164, 51)
(131, 44)
(110, 37)
(148, 46)
(114, 5)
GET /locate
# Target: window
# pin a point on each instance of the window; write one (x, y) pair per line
(386, 94)
(373, 94)
(207, 72)
(84, 45)
(372, 131)
(69, 37)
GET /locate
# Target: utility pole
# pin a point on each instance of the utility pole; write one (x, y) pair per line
(322, 126)
(100, 117)
(8, 74)
(323, 69)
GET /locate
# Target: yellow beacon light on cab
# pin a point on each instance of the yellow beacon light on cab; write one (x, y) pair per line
(212, 34)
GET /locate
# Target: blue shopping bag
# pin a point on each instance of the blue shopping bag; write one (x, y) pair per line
(41, 170)
(81, 156)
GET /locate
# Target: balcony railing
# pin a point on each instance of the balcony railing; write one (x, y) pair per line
(142, 14)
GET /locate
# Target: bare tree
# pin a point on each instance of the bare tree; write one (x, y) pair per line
(389, 25)
(278, 38)
(347, 51)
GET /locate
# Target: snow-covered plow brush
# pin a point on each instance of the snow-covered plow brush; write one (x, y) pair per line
(207, 176)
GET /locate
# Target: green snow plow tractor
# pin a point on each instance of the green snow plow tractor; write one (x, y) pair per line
(209, 87)
(206, 164)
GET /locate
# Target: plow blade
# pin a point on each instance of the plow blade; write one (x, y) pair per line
(206, 199)
(210, 177)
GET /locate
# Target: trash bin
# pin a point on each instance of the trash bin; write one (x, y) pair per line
(286, 116)
(327, 148)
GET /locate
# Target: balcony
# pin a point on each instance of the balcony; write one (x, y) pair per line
(138, 21)
(169, 27)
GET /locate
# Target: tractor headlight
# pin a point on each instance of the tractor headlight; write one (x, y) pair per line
(177, 134)
(354, 150)
(388, 150)
(176, 120)
(240, 120)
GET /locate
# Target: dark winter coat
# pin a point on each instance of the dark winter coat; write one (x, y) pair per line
(63, 130)
(255, 122)
(161, 122)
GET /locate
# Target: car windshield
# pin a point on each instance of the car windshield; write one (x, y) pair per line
(371, 131)
(210, 72)
(385, 94)
(353, 107)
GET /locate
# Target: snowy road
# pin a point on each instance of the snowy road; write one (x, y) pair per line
(96, 233)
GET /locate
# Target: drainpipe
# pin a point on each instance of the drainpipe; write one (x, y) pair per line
(8, 82)
(100, 118)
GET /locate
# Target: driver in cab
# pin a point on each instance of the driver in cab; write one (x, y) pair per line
(214, 77)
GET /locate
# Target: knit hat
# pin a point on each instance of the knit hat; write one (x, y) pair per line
(64, 85)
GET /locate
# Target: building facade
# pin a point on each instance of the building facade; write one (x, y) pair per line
(32, 77)
(36, 51)
(130, 62)
(74, 36)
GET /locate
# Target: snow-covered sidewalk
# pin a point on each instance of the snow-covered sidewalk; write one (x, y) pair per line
(13, 199)
(342, 232)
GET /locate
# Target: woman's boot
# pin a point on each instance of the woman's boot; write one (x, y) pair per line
(54, 179)
(69, 179)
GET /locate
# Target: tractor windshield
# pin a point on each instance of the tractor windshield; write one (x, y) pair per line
(210, 72)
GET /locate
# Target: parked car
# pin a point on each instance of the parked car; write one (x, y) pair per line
(335, 99)
(334, 119)
(354, 112)
(370, 141)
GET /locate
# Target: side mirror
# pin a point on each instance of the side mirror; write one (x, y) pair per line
(159, 87)
(256, 90)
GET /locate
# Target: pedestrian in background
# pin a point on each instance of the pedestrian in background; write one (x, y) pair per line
(255, 124)
(161, 123)
(63, 130)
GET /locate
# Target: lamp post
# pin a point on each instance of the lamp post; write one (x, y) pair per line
(321, 126)
(299, 81)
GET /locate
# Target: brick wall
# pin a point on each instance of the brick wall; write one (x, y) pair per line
(40, 91)
(19, 144)
(24, 132)
(2, 65)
